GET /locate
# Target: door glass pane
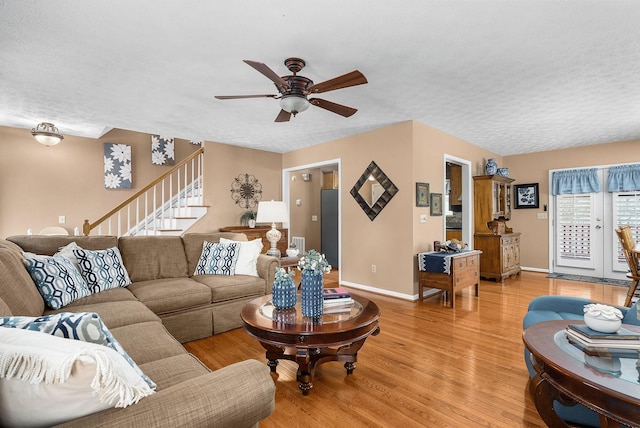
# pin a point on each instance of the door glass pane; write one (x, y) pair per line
(573, 240)
(627, 211)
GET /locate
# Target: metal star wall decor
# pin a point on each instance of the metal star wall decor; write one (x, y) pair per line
(246, 191)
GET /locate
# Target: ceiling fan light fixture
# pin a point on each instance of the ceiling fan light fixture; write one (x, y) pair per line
(294, 104)
(47, 134)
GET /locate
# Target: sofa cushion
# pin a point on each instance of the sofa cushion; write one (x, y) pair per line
(193, 244)
(174, 370)
(83, 326)
(18, 291)
(169, 295)
(232, 287)
(56, 278)
(10, 245)
(147, 341)
(218, 259)
(117, 314)
(50, 244)
(153, 257)
(247, 256)
(47, 380)
(5, 311)
(102, 269)
(113, 295)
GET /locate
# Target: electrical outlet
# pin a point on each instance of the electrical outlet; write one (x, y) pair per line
(62, 219)
(314, 218)
(373, 268)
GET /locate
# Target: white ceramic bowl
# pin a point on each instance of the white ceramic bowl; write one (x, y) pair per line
(602, 325)
(292, 252)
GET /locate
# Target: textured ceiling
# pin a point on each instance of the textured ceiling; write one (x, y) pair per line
(509, 76)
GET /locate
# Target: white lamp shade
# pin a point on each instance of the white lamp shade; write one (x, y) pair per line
(272, 212)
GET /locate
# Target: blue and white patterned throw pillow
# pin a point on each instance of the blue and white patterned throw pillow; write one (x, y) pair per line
(83, 326)
(102, 269)
(218, 259)
(57, 280)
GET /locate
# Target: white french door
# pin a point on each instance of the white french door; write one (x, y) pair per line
(584, 238)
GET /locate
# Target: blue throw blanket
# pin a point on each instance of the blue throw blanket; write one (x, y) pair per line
(438, 262)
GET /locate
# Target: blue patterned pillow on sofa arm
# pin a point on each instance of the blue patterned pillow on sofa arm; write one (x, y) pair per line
(102, 269)
(56, 278)
(82, 326)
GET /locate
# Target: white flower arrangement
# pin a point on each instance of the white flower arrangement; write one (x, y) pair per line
(315, 261)
(282, 274)
(603, 312)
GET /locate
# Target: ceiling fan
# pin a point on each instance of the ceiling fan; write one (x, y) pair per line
(293, 89)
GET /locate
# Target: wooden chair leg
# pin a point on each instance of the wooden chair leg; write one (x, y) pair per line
(630, 293)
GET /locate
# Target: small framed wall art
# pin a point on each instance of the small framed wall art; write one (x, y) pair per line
(422, 194)
(526, 195)
(436, 204)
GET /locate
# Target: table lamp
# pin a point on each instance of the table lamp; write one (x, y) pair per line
(273, 212)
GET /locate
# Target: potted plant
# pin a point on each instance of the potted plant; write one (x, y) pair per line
(248, 218)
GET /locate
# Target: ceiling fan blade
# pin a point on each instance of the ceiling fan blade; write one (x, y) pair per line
(283, 116)
(346, 80)
(236, 97)
(333, 107)
(264, 69)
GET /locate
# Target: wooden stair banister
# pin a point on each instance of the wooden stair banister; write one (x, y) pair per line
(87, 227)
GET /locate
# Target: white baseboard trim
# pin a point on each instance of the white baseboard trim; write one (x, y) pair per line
(532, 269)
(380, 291)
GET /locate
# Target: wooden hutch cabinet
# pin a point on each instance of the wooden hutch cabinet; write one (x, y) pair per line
(500, 246)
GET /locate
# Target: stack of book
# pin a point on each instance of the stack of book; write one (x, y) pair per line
(594, 342)
(337, 300)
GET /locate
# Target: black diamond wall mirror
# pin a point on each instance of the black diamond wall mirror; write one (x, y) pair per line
(373, 190)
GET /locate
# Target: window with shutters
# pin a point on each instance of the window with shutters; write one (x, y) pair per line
(573, 241)
(627, 211)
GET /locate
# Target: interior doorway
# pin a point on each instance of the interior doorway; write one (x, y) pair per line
(458, 200)
(302, 187)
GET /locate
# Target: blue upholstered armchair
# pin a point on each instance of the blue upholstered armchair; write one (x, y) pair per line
(547, 308)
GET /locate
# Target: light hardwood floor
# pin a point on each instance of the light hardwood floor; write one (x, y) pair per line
(430, 366)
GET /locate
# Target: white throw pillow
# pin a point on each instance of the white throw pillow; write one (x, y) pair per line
(46, 380)
(247, 263)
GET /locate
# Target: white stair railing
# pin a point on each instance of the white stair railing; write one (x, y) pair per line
(181, 185)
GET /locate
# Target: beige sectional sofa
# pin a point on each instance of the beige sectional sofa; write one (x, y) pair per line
(164, 305)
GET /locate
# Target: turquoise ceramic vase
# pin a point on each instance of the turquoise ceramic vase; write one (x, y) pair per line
(312, 300)
(284, 293)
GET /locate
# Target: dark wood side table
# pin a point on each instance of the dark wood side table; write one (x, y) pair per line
(286, 334)
(568, 375)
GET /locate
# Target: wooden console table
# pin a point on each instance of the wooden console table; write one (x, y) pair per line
(261, 232)
(463, 272)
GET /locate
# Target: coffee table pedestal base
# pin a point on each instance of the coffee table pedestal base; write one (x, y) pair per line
(310, 358)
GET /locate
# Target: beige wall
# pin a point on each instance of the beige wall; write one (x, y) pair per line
(534, 168)
(222, 164)
(407, 152)
(38, 183)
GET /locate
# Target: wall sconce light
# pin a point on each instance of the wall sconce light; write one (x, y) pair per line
(47, 134)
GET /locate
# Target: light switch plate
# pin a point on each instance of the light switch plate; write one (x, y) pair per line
(542, 216)
(314, 218)
(423, 218)
(62, 219)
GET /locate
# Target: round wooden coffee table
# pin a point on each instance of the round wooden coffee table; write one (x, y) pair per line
(606, 382)
(286, 334)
